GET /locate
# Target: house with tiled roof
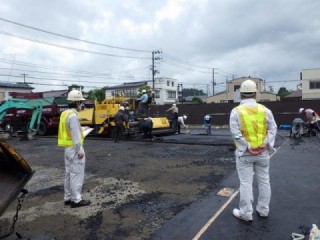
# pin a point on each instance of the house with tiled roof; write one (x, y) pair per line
(232, 92)
(294, 96)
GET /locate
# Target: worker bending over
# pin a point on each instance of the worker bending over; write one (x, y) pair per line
(313, 119)
(146, 126)
(181, 120)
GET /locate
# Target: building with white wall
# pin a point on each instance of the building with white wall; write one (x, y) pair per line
(6, 88)
(310, 84)
(232, 92)
(165, 90)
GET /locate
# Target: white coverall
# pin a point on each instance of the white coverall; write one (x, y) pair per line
(249, 165)
(181, 121)
(74, 167)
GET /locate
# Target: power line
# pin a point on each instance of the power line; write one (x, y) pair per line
(70, 75)
(186, 63)
(66, 69)
(70, 48)
(181, 67)
(72, 38)
(57, 79)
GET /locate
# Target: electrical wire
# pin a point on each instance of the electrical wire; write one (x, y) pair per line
(73, 38)
(70, 48)
(68, 70)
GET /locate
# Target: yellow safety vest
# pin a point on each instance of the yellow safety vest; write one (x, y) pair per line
(253, 123)
(64, 134)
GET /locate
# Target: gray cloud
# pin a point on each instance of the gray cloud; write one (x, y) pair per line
(273, 40)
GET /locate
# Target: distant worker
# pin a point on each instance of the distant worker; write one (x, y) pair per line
(128, 112)
(70, 136)
(313, 119)
(174, 115)
(254, 131)
(207, 123)
(120, 119)
(181, 120)
(297, 128)
(143, 103)
(146, 126)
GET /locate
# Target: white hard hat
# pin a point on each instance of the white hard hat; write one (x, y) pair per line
(174, 104)
(143, 91)
(75, 95)
(121, 108)
(184, 117)
(248, 86)
(301, 110)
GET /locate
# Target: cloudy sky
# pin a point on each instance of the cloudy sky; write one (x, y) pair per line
(97, 43)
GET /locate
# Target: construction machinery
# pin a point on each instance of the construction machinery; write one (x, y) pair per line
(15, 118)
(30, 126)
(101, 118)
(15, 173)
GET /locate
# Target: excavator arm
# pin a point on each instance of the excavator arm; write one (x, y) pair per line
(34, 124)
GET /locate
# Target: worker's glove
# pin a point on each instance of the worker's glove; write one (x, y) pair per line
(257, 150)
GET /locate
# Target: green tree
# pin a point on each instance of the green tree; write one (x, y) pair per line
(97, 94)
(192, 92)
(197, 100)
(283, 92)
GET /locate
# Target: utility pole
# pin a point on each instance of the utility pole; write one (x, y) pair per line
(227, 89)
(213, 83)
(154, 72)
(180, 92)
(24, 77)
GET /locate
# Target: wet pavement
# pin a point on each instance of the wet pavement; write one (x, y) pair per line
(218, 137)
(294, 207)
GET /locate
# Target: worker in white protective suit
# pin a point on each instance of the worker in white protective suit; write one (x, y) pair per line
(313, 119)
(254, 130)
(180, 121)
(70, 136)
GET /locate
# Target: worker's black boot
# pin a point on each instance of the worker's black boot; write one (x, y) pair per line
(82, 203)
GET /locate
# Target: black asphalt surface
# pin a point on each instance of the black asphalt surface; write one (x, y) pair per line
(294, 207)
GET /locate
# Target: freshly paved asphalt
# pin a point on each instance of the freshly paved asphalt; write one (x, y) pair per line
(294, 207)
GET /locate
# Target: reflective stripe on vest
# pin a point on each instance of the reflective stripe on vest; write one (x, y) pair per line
(64, 134)
(253, 123)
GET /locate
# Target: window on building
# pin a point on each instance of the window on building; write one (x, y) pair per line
(172, 94)
(118, 93)
(314, 84)
(226, 101)
(130, 92)
(172, 84)
(236, 87)
(157, 94)
(168, 83)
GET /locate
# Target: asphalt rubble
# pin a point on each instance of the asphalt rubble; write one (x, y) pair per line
(294, 204)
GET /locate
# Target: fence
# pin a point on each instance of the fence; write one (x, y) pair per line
(284, 112)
